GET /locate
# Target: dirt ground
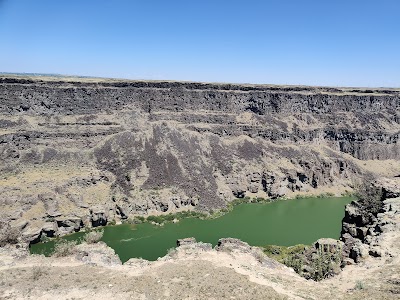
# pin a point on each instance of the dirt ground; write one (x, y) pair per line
(193, 274)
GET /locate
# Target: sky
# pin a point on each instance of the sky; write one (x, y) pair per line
(333, 43)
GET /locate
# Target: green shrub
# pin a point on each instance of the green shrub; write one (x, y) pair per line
(347, 193)
(155, 219)
(295, 262)
(326, 263)
(261, 200)
(283, 254)
(370, 198)
(326, 195)
(359, 285)
(135, 220)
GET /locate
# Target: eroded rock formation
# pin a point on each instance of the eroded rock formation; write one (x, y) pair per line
(84, 152)
(362, 228)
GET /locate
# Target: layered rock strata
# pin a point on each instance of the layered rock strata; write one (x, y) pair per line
(84, 152)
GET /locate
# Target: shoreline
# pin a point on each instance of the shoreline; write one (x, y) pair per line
(174, 218)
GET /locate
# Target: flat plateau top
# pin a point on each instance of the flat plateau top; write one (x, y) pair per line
(37, 79)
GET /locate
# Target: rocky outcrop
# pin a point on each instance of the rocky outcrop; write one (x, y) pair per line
(185, 241)
(83, 152)
(362, 227)
(232, 246)
(98, 254)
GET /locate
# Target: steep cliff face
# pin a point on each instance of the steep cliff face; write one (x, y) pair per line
(81, 152)
(375, 214)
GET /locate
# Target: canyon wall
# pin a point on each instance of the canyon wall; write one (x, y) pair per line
(84, 152)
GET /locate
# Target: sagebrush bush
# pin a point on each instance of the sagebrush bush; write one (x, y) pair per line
(93, 237)
(359, 285)
(8, 234)
(37, 272)
(64, 248)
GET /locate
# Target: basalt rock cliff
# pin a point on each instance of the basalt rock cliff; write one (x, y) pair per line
(364, 224)
(84, 152)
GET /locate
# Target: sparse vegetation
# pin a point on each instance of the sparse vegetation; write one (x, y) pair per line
(289, 256)
(359, 285)
(326, 195)
(8, 234)
(370, 199)
(213, 214)
(319, 264)
(111, 223)
(259, 255)
(64, 248)
(325, 263)
(161, 219)
(281, 253)
(37, 272)
(93, 237)
(347, 193)
(297, 197)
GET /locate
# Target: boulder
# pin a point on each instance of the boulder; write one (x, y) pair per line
(50, 229)
(376, 252)
(362, 232)
(359, 252)
(239, 192)
(253, 188)
(232, 244)
(194, 201)
(69, 224)
(31, 234)
(98, 254)
(98, 216)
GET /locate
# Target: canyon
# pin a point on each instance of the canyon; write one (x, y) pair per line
(232, 269)
(84, 152)
(78, 153)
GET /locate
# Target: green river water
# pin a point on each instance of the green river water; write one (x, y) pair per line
(284, 223)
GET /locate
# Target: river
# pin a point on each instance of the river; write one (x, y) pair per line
(285, 223)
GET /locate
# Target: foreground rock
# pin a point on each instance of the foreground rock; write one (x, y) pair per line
(362, 228)
(98, 254)
(194, 271)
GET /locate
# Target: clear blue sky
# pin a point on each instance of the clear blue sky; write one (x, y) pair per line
(337, 42)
